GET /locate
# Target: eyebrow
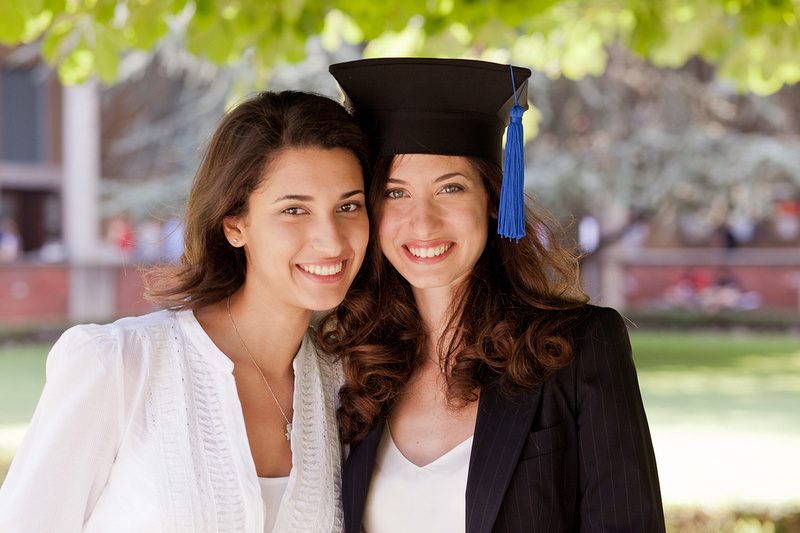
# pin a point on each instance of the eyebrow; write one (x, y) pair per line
(351, 193)
(443, 177)
(306, 198)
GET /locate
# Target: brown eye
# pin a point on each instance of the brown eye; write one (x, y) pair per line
(350, 207)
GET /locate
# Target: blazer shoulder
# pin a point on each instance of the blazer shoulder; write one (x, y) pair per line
(598, 324)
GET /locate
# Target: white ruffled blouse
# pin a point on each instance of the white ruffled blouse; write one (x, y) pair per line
(139, 428)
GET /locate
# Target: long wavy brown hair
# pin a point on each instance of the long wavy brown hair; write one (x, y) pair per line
(247, 140)
(507, 322)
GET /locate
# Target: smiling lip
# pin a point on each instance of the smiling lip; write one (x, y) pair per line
(319, 269)
(427, 247)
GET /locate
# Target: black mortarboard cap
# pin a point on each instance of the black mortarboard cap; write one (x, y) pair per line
(433, 106)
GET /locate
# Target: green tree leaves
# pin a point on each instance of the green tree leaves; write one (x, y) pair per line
(755, 43)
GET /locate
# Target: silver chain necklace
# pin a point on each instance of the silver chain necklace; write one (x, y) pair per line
(288, 433)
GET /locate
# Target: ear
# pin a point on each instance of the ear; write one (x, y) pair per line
(232, 227)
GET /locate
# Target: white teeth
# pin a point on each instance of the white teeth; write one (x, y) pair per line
(323, 270)
(430, 252)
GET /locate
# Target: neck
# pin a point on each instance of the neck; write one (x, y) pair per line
(434, 307)
(272, 332)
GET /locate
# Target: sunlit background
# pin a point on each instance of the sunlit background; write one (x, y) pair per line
(666, 137)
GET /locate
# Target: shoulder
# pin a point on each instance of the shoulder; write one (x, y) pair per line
(140, 325)
(122, 326)
(605, 323)
(105, 344)
(600, 342)
(598, 324)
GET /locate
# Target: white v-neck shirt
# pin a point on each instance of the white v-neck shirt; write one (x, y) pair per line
(272, 491)
(405, 497)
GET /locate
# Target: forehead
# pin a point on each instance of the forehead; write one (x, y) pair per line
(424, 167)
(312, 171)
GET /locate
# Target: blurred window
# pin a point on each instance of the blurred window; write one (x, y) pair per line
(22, 115)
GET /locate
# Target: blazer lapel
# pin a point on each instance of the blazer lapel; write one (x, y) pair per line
(501, 430)
(356, 477)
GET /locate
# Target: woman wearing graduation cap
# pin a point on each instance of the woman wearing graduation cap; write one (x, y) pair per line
(482, 392)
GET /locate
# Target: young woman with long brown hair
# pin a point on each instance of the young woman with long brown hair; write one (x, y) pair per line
(216, 414)
(482, 392)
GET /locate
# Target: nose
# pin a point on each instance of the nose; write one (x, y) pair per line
(426, 217)
(327, 237)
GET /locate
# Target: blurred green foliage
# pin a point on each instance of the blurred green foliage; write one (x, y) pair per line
(754, 43)
(762, 320)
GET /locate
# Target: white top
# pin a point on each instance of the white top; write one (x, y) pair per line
(272, 491)
(405, 497)
(139, 428)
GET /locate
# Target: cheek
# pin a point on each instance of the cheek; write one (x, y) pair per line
(480, 218)
(383, 242)
(477, 220)
(283, 235)
(385, 229)
(280, 241)
(359, 235)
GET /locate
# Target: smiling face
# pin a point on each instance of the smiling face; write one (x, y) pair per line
(433, 224)
(306, 229)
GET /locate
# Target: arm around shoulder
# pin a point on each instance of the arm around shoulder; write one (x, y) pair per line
(66, 455)
(618, 478)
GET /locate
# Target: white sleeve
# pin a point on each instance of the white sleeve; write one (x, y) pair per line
(66, 456)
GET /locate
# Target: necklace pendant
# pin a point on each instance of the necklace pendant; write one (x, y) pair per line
(288, 431)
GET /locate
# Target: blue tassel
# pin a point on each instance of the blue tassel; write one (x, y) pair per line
(511, 213)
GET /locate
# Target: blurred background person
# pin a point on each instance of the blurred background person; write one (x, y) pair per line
(10, 244)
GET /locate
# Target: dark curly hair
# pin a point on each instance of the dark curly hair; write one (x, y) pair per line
(507, 326)
(248, 139)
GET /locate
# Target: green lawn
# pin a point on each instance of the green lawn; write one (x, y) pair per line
(743, 381)
(723, 412)
(21, 382)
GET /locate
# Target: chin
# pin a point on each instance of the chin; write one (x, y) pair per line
(422, 282)
(323, 304)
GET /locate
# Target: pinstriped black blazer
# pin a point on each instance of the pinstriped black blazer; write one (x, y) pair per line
(573, 454)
